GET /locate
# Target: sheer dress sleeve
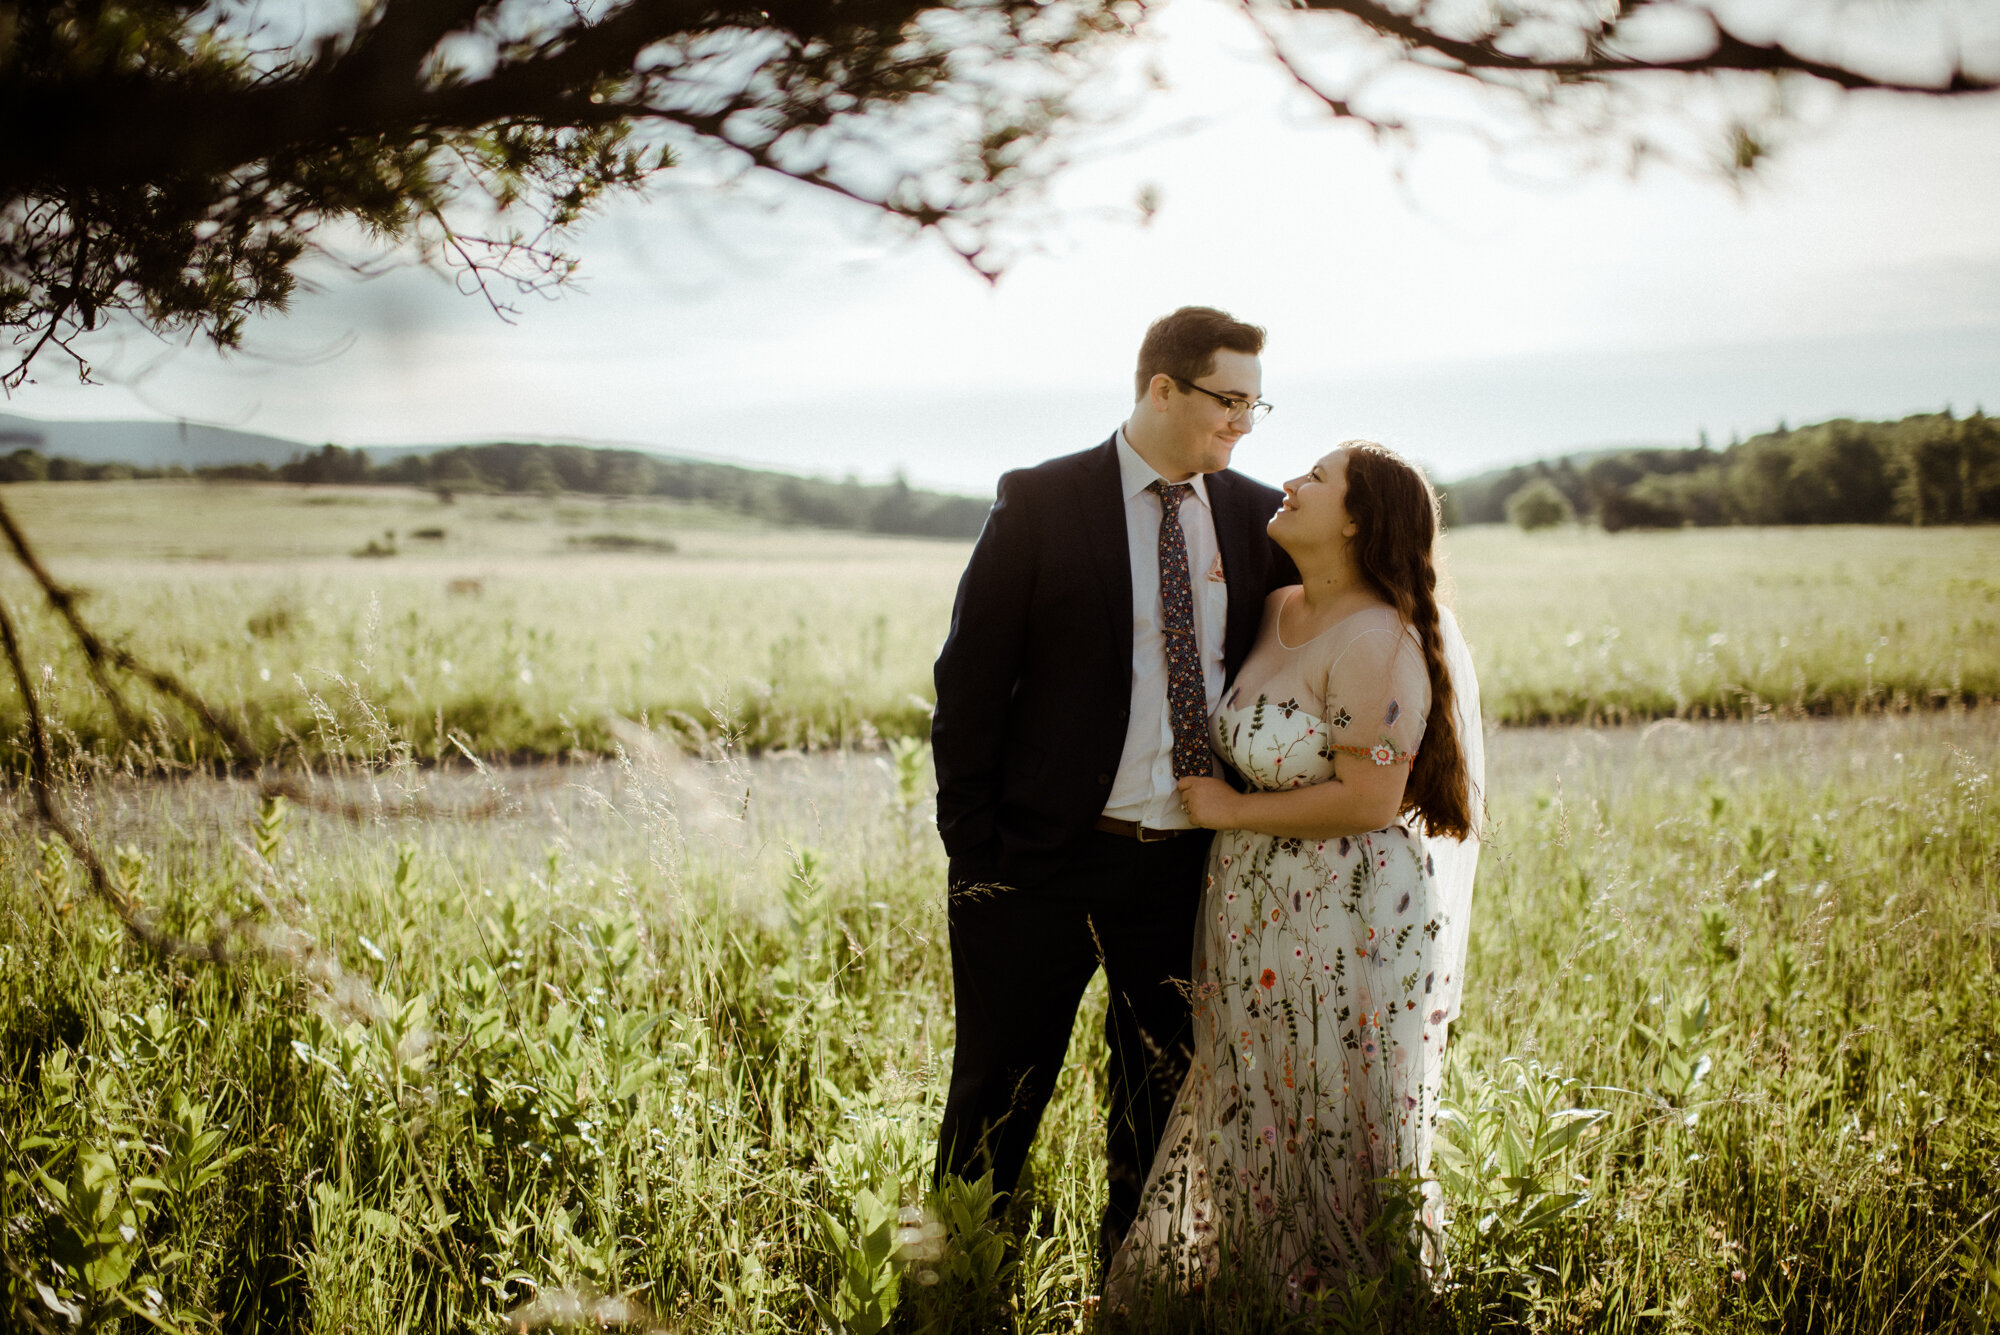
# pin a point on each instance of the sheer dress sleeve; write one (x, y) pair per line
(1378, 694)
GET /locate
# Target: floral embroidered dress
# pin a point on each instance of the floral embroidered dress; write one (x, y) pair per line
(1320, 1008)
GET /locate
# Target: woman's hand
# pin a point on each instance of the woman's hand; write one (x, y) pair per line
(1209, 802)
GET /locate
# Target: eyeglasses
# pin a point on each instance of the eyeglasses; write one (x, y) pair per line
(1236, 408)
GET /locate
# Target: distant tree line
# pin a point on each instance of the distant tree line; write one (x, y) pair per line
(28, 465)
(1933, 468)
(548, 470)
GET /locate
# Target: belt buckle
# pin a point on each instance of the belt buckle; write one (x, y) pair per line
(1146, 834)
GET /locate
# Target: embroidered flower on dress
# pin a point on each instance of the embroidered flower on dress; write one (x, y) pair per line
(1383, 754)
(1270, 978)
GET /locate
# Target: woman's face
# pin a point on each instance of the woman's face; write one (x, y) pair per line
(1315, 506)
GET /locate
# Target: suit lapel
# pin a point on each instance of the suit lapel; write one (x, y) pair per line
(1102, 513)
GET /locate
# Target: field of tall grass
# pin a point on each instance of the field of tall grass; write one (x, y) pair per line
(524, 627)
(663, 1045)
(658, 1042)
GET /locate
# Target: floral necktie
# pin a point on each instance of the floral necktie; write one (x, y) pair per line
(1187, 694)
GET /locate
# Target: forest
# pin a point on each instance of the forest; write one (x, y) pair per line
(1930, 468)
(1926, 469)
(893, 507)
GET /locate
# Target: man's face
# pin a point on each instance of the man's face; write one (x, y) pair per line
(1200, 435)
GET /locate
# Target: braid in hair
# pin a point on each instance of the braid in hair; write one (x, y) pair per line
(1396, 519)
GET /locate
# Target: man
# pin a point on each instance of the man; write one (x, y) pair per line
(1110, 597)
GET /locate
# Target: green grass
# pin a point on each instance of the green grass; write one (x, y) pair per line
(524, 631)
(1581, 625)
(635, 1036)
(502, 635)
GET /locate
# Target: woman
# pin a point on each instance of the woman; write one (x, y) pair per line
(1332, 936)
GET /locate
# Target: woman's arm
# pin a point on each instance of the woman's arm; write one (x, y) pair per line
(1361, 796)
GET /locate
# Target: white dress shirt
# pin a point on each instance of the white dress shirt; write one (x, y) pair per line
(1143, 789)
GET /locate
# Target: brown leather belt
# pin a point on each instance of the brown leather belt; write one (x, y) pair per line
(1132, 829)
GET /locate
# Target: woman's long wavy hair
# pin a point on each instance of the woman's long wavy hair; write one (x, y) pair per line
(1396, 520)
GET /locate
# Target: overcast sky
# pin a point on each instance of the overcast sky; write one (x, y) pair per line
(1461, 314)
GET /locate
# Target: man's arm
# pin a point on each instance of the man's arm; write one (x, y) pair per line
(975, 676)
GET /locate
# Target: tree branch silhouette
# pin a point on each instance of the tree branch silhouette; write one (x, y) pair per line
(103, 660)
(163, 167)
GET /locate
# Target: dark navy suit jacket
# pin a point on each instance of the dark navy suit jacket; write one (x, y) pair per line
(1034, 683)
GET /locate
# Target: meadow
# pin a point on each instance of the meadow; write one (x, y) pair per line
(527, 627)
(662, 1047)
(659, 1041)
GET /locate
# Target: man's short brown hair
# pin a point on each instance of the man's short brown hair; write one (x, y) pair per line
(1183, 345)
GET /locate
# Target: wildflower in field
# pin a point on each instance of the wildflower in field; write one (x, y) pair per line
(919, 1238)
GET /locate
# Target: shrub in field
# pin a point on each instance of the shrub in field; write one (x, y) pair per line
(1505, 1158)
(623, 542)
(1539, 505)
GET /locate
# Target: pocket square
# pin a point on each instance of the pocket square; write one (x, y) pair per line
(1215, 575)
